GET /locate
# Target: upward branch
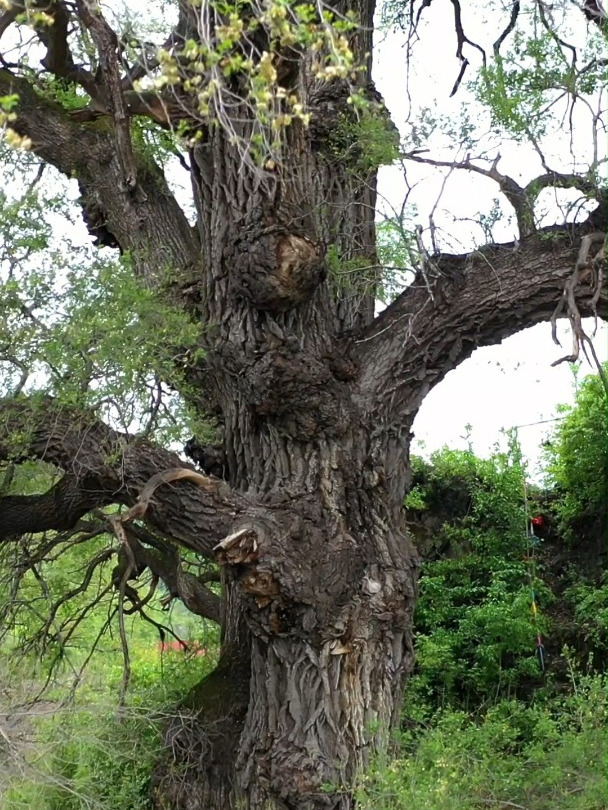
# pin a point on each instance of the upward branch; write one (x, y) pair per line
(149, 224)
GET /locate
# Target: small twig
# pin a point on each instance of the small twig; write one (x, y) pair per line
(131, 566)
(584, 268)
(503, 803)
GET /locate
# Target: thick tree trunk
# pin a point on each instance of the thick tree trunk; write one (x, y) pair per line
(327, 594)
(328, 617)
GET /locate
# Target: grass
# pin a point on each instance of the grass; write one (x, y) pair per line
(536, 757)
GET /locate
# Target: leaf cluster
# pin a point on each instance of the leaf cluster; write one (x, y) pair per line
(241, 56)
(475, 629)
(88, 332)
(577, 461)
(522, 87)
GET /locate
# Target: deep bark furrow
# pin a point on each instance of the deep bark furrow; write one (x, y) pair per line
(58, 509)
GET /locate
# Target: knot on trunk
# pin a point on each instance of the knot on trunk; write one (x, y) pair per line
(300, 392)
(274, 267)
(210, 458)
(96, 219)
(300, 576)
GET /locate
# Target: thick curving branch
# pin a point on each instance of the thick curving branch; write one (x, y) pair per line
(473, 300)
(59, 508)
(104, 466)
(201, 514)
(246, 535)
(145, 220)
(59, 59)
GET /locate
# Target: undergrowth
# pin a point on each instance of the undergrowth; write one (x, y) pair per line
(541, 756)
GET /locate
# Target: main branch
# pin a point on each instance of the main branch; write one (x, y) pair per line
(145, 221)
(104, 466)
(473, 300)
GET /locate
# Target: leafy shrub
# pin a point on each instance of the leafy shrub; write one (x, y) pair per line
(86, 755)
(590, 604)
(476, 634)
(577, 461)
(535, 756)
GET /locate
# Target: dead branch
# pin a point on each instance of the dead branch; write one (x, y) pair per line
(175, 474)
(522, 198)
(515, 8)
(165, 565)
(461, 37)
(586, 269)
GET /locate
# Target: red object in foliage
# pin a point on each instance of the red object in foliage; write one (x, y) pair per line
(538, 521)
(182, 646)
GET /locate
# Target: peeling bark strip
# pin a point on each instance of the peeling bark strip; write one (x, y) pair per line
(166, 477)
(314, 396)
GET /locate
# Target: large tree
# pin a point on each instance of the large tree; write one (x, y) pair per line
(311, 395)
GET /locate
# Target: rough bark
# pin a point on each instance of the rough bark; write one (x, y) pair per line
(316, 399)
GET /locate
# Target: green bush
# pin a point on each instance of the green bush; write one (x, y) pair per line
(539, 757)
(590, 606)
(88, 758)
(577, 461)
(476, 634)
(87, 755)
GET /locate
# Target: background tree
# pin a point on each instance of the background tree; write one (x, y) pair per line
(577, 454)
(260, 319)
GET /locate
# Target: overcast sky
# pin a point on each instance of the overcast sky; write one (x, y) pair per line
(512, 383)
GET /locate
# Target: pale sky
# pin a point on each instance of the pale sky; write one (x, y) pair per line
(512, 383)
(500, 387)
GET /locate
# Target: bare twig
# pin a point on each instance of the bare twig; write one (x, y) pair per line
(503, 803)
(511, 25)
(585, 269)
